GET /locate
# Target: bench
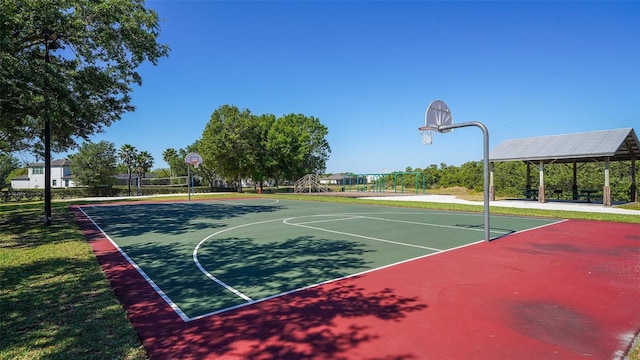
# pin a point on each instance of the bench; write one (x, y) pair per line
(587, 193)
(531, 193)
(558, 192)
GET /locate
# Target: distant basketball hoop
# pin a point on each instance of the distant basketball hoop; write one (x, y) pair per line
(193, 159)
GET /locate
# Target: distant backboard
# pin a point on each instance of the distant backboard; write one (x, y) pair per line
(194, 159)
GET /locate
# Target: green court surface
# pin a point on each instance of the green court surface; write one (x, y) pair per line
(208, 257)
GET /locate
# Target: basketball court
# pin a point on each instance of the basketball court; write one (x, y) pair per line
(274, 279)
(267, 278)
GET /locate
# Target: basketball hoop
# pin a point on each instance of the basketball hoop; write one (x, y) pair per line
(437, 116)
(427, 135)
(194, 159)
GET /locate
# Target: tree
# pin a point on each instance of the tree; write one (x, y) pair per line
(237, 144)
(170, 156)
(127, 155)
(180, 167)
(297, 145)
(225, 144)
(84, 88)
(95, 164)
(258, 135)
(449, 176)
(162, 172)
(204, 170)
(143, 163)
(23, 171)
(8, 163)
(431, 174)
(316, 149)
(471, 175)
(510, 178)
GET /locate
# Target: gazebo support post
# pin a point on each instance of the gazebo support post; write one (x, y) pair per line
(606, 191)
(634, 187)
(574, 187)
(492, 190)
(541, 186)
(528, 184)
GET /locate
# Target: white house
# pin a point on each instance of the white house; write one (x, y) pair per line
(335, 179)
(60, 176)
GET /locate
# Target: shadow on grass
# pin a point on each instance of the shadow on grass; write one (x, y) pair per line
(55, 301)
(61, 308)
(23, 226)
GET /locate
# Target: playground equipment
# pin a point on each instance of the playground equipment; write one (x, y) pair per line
(309, 183)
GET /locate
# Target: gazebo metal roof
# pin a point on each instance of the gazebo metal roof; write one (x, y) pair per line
(617, 145)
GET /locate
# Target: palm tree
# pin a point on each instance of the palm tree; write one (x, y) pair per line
(169, 156)
(143, 163)
(127, 155)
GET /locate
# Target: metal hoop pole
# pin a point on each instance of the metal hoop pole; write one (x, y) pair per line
(485, 133)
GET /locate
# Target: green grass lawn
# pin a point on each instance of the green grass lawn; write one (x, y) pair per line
(56, 302)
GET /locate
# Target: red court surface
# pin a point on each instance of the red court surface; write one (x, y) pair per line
(566, 291)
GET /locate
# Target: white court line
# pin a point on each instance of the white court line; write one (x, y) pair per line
(208, 274)
(328, 220)
(247, 298)
(435, 225)
(331, 281)
(349, 216)
(155, 287)
(250, 301)
(399, 221)
(286, 221)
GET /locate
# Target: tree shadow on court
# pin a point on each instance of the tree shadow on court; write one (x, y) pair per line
(168, 218)
(322, 322)
(326, 321)
(319, 322)
(279, 266)
(257, 269)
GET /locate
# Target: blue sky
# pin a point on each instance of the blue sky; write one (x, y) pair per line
(368, 70)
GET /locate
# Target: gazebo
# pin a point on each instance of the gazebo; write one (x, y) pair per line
(600, 146)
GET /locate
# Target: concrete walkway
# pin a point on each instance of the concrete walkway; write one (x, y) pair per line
(550, 205)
